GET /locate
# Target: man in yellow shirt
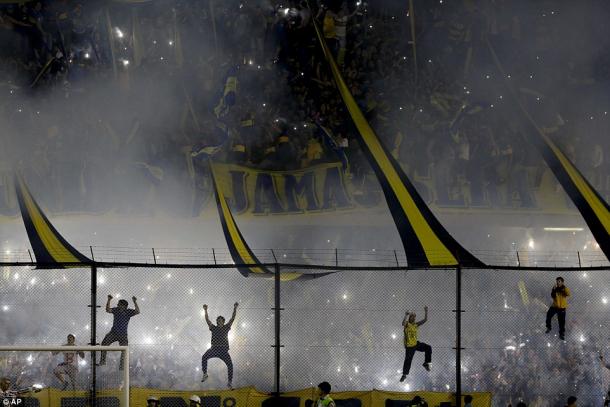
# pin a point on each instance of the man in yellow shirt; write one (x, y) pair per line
(560, 294)
(412, 345)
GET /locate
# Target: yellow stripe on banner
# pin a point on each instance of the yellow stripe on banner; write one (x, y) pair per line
(234, 234)
(523, 291)
(436, 252)
(49, 239)
(598, 207)
(290, 276)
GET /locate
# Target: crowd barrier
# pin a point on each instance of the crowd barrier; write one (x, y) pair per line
(250, 397)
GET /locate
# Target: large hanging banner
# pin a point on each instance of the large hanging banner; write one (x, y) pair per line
(426, 242)
(242, 255)
(319, 188)
(50, 248)
(593, 208)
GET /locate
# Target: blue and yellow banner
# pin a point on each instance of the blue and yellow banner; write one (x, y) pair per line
(50, 248)
(245, 259)
(426, 242)
(239, 249)
(593, 208)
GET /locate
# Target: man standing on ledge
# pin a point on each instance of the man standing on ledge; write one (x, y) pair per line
(220, 344)
(412, 345)
(560, 294)
(118, 332)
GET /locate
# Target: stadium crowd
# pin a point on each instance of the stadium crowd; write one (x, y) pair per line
(76, 89)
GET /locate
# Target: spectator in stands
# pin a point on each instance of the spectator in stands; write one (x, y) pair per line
(194, 401)
(468, 400)
(324, 399)
(572, 401)
(418, 401)
(329, 28)
(341, 21)
(118, 333)
(152, 401)
(5, 389)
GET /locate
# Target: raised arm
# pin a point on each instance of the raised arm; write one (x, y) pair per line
(423, 321)
(234, 313)
(207, 317)
(135, 305)
(108, 309)
(406, 318)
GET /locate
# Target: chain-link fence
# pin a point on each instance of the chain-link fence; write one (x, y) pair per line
(347, 328)
(507, 349)
(344, 327)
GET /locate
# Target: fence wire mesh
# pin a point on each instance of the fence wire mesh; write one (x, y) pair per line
(169, 337)
(345, 327)
(507, 350)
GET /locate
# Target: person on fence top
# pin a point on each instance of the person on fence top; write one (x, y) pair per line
(118, 332)
(324, 399)
(560, 294)
(220, 344)
(412, 345)
(69, 366)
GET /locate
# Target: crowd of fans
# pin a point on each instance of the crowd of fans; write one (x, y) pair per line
(133, 98)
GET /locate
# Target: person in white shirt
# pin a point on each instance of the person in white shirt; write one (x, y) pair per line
(69, 366)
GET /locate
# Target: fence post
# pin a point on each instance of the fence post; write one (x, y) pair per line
(277, 344)
(458, 336)
(336, 257)
(93, 339)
